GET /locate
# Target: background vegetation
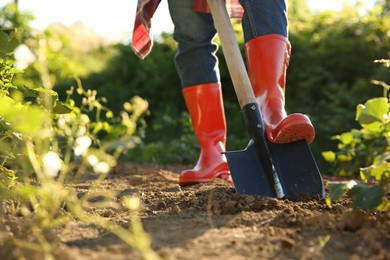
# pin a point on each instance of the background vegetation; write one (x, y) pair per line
(73, 104)
(48, 145)
(331, 70)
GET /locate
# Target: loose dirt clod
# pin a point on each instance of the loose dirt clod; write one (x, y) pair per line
(352, 219)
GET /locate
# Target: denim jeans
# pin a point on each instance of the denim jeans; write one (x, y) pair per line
(195, 59)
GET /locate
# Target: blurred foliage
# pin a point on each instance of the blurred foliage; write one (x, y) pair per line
(47, 145)
(63, 53)
(330, 71)
(12, 21)
(331, 68)
(365, 151)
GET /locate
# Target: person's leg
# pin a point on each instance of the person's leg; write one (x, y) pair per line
(195, 59)
(197, 66)
(267, 49)
(263, 17)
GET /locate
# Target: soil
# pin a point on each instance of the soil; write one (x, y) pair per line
(211, 221)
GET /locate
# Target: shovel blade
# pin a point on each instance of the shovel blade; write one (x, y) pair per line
(248, 175)
(296, 168)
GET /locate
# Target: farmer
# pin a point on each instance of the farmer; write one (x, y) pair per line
(267, 50)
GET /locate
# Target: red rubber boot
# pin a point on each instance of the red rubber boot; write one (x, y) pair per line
(205, 105)
(267, 59)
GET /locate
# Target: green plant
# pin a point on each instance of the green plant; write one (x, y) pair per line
(365, 152)
(45, 146)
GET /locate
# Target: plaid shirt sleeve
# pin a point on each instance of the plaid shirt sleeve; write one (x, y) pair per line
(141, 41)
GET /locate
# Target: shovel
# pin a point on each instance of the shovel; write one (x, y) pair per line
(262, 168)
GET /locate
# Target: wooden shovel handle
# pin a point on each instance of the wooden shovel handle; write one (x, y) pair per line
(232, 53)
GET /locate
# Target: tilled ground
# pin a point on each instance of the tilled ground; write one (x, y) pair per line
(211, 221)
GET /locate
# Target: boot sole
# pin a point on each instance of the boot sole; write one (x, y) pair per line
(222, 175)
(295, 133)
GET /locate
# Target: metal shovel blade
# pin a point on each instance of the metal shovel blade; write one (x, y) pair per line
(249, 177)
(297, 172)
(297, 169)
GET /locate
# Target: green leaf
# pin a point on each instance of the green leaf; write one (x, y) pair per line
(46, 91)
(3, 40)
(346, 138)
(366, 197)
(60, 108)
(9, 85)
(364, 173)
(336, 190)
(359, 109)
(11, 45)
(344, 158)
(328, 202)
(27, 92)
(22, 119)
(47, 94)
(15, 71)
(379, 170)
(7, 44)
(375, 111)
(329, 156)
(384, 206)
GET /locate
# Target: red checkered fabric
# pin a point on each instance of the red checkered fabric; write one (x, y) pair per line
(141, 41)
